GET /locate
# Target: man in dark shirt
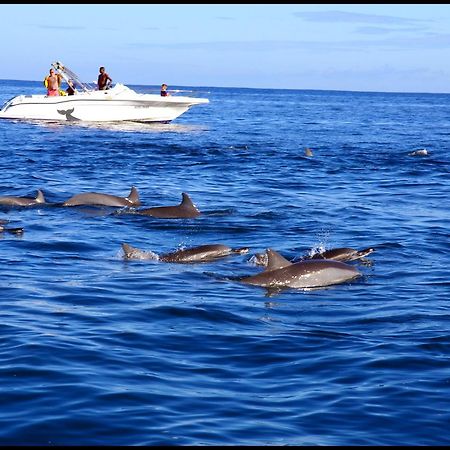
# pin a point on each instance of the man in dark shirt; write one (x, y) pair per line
(70, 88)
(104, 80)
(164, 92)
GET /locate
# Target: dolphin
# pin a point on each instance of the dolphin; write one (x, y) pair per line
(343, 254)
(202, 253)
(94, 198)
(11, 230)
(23, 201)
(338, 254)
(281, 273)
(421, 152)
(185, 210)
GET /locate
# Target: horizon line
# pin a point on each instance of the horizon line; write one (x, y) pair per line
(269, 88)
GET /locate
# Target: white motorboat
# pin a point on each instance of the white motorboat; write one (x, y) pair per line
(119, 103)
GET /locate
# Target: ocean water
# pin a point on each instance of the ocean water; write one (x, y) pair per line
(96, 350)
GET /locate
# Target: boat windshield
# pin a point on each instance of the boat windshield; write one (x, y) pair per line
(68, 75)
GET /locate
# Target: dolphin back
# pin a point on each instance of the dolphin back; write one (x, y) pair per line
(23, 201)
(343, 254)
(305, 274)
(338, 254)
(201, 253)
(185, 210)
(98, 199)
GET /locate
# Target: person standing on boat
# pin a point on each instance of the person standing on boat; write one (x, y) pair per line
(104, 80)
(52, 82)
(70, 88)
(164, 92)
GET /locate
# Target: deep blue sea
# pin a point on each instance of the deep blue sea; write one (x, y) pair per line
(97, 350)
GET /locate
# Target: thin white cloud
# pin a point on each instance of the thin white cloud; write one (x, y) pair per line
(373, 30)
(384, 30)
(60, 27)
(350, 17)
(407, 43)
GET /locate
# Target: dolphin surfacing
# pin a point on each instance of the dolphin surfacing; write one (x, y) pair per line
(23, 201)
(303, 274)
(130, 252)
(98, 199)
(343, 254)
(3, 228)
(337, 254)
(11, 230)
(185, 210)
(202, 253)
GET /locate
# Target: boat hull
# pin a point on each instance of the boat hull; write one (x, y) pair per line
(99, 106)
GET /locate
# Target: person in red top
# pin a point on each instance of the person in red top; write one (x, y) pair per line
(104, 80)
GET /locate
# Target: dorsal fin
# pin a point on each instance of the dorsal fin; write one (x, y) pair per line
(132, 252)
(128, 250)
(40, 197)
(275, 260)
(134, 197)
(187, 203)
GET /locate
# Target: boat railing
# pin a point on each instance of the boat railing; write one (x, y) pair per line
(71, 77)
(9, 102)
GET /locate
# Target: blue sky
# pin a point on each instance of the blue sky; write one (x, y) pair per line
(357, 47)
